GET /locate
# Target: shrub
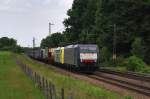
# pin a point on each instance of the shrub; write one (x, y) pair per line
(138, 48)
(105, 54)
(146, 70)
(128, 97)
(134, 63)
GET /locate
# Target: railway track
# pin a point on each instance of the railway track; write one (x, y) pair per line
(131, 81)
(132, 75)
(137, 83)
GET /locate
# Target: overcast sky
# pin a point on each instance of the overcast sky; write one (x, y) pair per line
(25, 19)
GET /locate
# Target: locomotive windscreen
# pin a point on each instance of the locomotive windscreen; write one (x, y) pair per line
(88, 50)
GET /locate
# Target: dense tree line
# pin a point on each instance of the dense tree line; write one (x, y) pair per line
(9, 44)
(102, 21)
(52, 41)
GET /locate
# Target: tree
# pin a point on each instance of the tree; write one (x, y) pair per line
(9, 44)
(52, 41)
(137, 48)
(92, 21)
(74, 23)
(105, 54)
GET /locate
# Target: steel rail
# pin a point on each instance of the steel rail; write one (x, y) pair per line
(145, 90)
(132, 75)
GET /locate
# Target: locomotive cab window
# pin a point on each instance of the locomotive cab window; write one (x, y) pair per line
(88, 50)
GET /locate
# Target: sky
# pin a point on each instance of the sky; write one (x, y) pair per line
(25, 19)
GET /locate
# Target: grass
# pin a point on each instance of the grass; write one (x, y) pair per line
(81, 89)
(119, 68)
(145, 70)
(132, 63)
(14, 84)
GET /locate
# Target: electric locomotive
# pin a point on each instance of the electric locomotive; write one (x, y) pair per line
(81, 56)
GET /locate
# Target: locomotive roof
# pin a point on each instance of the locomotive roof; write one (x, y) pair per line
(81, 45)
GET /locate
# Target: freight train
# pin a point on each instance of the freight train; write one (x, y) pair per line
(79, 56)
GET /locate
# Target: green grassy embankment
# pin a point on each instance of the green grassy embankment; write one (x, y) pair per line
(81, 89)
(14, 84)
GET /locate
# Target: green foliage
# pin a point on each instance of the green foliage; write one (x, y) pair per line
(18, 49)
(93, 20)
(146, 70)
(5, 41)
(120, 61)
(138, 48)
(74, 23)
(128, 97)
(134, 63)
(9, 44)
(52, 41)
(105, 55)
(81, 19)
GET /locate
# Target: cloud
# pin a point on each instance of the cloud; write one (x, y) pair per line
(25, 19)
(24, 5)
(12, 6)
(65, 2)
